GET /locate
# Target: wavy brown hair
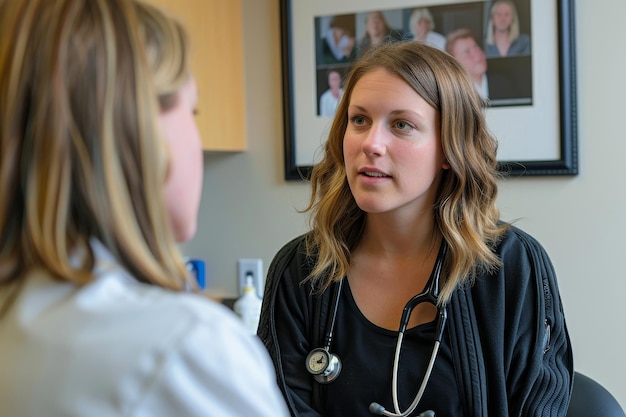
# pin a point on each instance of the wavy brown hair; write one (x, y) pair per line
(465, 210)
(82, 83)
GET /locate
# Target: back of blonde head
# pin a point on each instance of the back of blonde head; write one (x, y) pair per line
(81, 154)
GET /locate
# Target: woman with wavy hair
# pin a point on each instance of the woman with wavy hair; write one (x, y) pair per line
(409, 294)
(101, 178)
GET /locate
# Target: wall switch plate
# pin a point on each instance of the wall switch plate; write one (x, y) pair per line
(255, 266)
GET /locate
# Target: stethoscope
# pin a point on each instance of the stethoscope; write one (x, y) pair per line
(325, 366)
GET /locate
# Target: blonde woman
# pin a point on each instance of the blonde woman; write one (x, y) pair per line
(503, 32)
(101, 178)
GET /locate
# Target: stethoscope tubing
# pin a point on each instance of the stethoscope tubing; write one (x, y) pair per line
(420, 392)
(331, 319)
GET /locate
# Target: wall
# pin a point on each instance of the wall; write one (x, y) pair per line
(248, 210)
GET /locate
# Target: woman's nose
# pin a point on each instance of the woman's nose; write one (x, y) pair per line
(375, 141)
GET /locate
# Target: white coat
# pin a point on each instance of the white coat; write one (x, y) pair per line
(117, 347)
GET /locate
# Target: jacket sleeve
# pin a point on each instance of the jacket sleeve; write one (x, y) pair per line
(215, 368)
(287, 326)
(549, 385)
(531, 369)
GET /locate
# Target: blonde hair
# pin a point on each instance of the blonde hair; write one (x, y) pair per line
(82, 155)
(465, 211)
(513, 30)
(419, 14)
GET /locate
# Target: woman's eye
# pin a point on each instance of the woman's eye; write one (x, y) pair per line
(358, 120)
(402, 125)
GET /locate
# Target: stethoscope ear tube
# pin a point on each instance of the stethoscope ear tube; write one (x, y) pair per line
(330, 325)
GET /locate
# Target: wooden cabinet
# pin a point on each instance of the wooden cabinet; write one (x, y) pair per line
(216, 34)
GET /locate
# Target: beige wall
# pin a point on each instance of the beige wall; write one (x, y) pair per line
(248, 210)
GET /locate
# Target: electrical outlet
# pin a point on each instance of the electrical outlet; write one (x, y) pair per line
(256, 267)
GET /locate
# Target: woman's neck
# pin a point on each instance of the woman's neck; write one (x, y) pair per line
(501, 35)
(502, 41)
(376, 39)
(391, 237)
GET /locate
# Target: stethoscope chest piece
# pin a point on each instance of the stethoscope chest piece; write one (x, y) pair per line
(323, 365)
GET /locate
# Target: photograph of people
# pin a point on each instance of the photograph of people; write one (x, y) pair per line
(339, 42)
(377, 31)
(330, 98)
(409, 293)
(422, 27)
(462, 44)
(503, 32)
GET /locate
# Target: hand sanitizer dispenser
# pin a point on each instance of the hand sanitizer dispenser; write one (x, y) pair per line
(248, 306)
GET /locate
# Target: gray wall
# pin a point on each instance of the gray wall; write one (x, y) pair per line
(248, 210)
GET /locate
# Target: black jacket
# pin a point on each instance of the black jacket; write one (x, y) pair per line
(510, 342)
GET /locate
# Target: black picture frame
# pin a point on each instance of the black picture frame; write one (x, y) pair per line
(564, 162)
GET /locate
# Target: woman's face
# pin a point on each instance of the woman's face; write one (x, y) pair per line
(334, 81)
(375, 24)
(392, 148)
(502, 17)
(469, 54)
(422, 27)
(183, 186)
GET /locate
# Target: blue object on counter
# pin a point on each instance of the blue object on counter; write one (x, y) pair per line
(196, 268)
